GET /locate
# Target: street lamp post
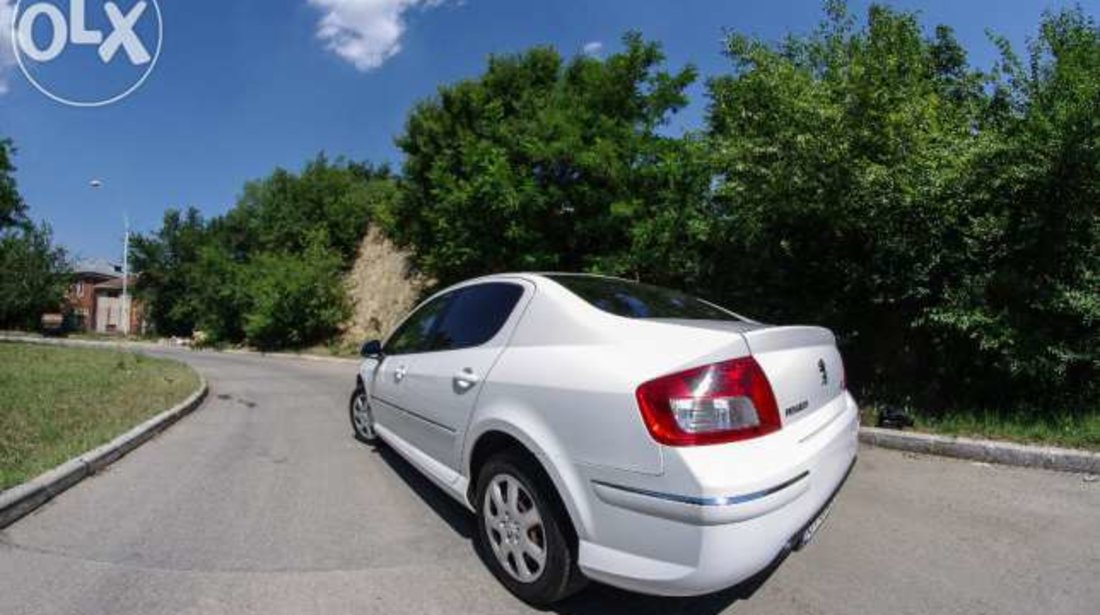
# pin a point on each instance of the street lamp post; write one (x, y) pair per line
(126, 276)
(125, 310)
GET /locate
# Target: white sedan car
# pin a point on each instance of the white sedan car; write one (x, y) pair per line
(609, 430)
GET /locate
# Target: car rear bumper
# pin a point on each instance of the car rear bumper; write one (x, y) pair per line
(676, 536)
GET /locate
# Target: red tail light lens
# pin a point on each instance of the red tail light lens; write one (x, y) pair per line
(712, 404)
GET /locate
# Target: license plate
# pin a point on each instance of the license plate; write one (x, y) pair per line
(814, 526)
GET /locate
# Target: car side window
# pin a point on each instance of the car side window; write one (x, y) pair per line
(415, 334)
(476, 315)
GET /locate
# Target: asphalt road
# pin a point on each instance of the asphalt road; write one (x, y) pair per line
(261, 502)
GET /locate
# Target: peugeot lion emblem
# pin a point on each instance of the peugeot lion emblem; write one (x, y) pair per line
(824, 372)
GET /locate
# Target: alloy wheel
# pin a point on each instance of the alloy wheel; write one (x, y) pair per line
(362, 417)
(515, 528)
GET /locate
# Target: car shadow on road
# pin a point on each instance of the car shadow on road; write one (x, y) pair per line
(460, 519)
(597, 598)
(600, 599)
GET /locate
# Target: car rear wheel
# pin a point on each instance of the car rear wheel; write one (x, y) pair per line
(520, 532)
(362, 419)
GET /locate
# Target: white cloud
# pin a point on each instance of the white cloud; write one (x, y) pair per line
(592, 48)
(7, 54)
(365, 32)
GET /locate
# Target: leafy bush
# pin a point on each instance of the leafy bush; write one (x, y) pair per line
(296, 300)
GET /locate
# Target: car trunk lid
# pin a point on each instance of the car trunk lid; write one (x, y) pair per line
(803, 366)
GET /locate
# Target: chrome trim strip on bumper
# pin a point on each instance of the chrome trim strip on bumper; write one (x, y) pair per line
(708, 501)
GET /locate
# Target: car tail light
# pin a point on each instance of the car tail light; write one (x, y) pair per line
(712, 404)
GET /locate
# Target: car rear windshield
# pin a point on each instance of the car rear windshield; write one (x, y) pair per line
(635, 300)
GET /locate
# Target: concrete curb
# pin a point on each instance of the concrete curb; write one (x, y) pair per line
(17, 502)
(990, 451)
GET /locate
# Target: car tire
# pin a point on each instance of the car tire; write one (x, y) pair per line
(502, 529)
(362, 419)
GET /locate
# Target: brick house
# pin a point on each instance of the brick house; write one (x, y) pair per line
(95, 299)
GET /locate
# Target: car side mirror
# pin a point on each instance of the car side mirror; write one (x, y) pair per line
(371, 350)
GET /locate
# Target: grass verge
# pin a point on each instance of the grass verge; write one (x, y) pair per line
(59, 402)
(1081, 431)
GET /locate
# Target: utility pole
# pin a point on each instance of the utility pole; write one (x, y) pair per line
(96, 184)
(126, 276)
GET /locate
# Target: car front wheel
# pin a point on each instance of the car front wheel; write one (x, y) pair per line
(362, 419)
(520, 532)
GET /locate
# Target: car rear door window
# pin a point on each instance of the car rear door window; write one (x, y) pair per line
(476, 315)
(415, 334)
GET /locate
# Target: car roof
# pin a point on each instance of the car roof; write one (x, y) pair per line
(538, 277)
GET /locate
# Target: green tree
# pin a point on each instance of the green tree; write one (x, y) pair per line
(839, 156)
(33, 276)
(942, 219)
(218, 287)
(12, 208)
(296, 299)
(1023, 302)
(231, 276)
(281, 211)
(168, 261)
(539, 163)
(33, 271)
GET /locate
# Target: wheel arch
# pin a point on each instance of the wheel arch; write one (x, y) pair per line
(494, 436)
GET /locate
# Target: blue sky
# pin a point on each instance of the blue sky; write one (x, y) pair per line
(244, 86)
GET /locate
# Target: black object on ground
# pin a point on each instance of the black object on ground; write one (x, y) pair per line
(892, 418)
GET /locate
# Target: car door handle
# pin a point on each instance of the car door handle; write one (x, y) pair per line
(466, 378)
(400, 373)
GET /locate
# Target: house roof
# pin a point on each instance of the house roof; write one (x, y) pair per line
(115, 283)
(98, 266)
